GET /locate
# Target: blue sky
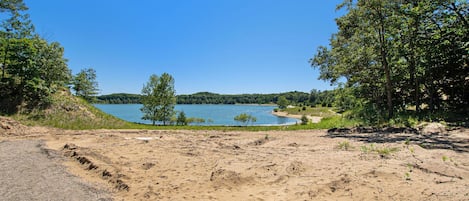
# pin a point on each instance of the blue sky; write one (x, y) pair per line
(221, 46)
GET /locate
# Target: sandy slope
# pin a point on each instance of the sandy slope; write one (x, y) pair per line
(281, 165)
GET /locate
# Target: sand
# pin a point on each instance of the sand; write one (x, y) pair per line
(312, 119)
(274, 165)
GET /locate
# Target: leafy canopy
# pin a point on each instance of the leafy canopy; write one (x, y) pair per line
(159, 99)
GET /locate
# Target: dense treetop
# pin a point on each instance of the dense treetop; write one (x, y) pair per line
(32, 68)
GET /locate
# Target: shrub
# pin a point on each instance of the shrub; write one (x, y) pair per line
(304, 120)
(245, 118)
(345, 145)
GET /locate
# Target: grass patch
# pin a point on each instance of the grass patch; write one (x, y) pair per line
(384, 152)
(312, 111)
(328, 123)
(344, 145)
(69, 112)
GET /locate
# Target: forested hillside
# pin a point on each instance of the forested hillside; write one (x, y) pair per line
(325, 98)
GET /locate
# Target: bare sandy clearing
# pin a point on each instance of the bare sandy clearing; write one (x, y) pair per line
(274, 165)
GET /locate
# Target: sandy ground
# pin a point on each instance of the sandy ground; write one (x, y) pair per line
(312, 119)
(274, 165)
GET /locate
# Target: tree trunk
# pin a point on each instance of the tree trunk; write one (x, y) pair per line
(386, 67)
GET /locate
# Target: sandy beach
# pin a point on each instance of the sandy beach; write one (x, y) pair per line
(312, 119)
(273, 165)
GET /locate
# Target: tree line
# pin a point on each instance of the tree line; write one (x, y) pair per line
(400, 59)
(324, 98)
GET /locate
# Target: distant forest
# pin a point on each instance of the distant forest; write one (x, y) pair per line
(324, 98)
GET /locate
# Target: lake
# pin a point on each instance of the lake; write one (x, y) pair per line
(216, 114)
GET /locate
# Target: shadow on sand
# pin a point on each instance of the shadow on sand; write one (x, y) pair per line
(432, 140)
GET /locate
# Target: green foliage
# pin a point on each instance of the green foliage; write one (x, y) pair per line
(211, 98)
(407, 176)
(383, 151)
(407, 141)
(85, 84)
(312, 111)
(69, 112)
(444, 158)
(181, 119)
(399, 54)
(119, 98)
(344, 145)
(304, 120)
(386, 151)
(32, 68)
(196, 120)
(245, 119)
(159, 99)
(282, 102)
(367, 149)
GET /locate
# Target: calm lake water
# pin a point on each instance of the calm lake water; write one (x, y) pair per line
(218, 114)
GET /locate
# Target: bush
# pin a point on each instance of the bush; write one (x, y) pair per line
(245, 118)
(181, 119)
(304, 120)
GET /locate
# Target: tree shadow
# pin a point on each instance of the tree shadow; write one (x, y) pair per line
(436, 140)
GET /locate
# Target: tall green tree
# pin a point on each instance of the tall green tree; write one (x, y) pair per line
(159, 99)
(85, 84)
(397, 54)
(32, 68)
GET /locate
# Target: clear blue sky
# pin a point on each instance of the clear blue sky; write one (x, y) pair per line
(221, 46)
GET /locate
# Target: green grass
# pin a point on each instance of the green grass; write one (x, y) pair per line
(344, 145)
(70, 112)
(327, 123)
(312, 111)
(384, 152)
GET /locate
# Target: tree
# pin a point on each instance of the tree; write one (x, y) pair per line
(395, 55)
(304, 120)
(245, 119)
(159, 99)
(85, 84)
(181, 119)
(282, 102)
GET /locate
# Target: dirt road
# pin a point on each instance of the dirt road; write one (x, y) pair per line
(28, 171)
